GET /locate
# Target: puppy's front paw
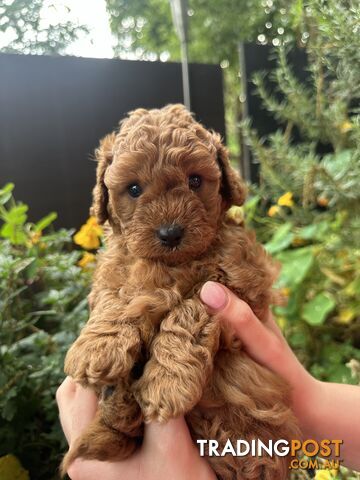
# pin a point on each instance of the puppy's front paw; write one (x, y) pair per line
(161, 395)
(100, 361)
(76, 362)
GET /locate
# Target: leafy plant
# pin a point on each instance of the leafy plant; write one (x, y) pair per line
(307, 207)
(42, 306)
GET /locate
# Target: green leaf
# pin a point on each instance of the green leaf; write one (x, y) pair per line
(338, 164)
(250, 207)
(316, 231)
(21, 264)
(252, 202)
(13, 233)
(316, 311)
(45, 222)
(5, 193)
(297, 12)
(16, 292)
(281, 239)
(298, 339)
(308, 232)
(17, 215)
(8, 411)
(295, 266)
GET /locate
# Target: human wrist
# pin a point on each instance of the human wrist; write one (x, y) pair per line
(304, 397)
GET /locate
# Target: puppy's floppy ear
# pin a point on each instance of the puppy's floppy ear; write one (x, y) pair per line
(233, 189)
(104, 156)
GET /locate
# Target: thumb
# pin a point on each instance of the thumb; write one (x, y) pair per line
(260, 342)
(165, 435)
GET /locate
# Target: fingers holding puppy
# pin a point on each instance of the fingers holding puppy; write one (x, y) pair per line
(77, 407)
(263, 341)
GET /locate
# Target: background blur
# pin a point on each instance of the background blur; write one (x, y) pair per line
(289, 98)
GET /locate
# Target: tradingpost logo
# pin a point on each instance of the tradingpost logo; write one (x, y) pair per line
(329, 450)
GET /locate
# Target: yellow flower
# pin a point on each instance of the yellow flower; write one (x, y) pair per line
(274, 210)
(281, 321)
(298, 241)
(10, 468)
(92, 222)
(285, 291)
(345, 126)
(325, 474)
(89, 235)
(346, 315)
(86, 259)
(35, 237)
(286, 200)
(236, 214)
(351, 289)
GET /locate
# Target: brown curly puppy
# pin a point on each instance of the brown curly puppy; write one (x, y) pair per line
(150, 349)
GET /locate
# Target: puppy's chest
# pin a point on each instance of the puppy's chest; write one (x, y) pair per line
(151, 293)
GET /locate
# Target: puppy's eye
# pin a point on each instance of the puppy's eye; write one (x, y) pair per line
(134, 190)
(194, 182)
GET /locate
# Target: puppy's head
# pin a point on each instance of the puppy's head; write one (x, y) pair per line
(165, 182)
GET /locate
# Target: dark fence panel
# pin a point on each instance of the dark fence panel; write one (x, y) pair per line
(54, 110)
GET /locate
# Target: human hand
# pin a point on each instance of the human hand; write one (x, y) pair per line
(324, 410)
(265, 343)
(167, 450)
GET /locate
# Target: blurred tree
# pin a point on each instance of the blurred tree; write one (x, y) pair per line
(215, 28)
(144, 30)
(144, 27)
(311, 165)
(25, 29)
(324, 111)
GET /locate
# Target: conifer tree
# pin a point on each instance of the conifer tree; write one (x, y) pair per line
(307, 205)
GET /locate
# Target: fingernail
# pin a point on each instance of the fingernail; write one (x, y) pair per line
(213, 295)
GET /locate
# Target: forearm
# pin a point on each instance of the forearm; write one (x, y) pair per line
(332, 412)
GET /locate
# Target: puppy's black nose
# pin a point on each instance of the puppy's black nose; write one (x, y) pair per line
(170, 235)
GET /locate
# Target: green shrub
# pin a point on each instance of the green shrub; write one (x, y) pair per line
(306, 208)
(42, 305)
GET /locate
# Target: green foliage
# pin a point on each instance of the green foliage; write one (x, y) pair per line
(316, 310)
(215, 28)
(42, 305)
(307, 207)
(144, 30)
(30, 33)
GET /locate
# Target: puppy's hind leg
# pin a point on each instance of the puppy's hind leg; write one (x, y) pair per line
(99, 442)
(114, 432)
(245, 401)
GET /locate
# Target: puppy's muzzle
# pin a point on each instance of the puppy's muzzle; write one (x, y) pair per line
(170, 235)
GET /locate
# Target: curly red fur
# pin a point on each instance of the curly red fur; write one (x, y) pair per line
(148, 334)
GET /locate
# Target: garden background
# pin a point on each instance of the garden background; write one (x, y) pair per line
(305, 206)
